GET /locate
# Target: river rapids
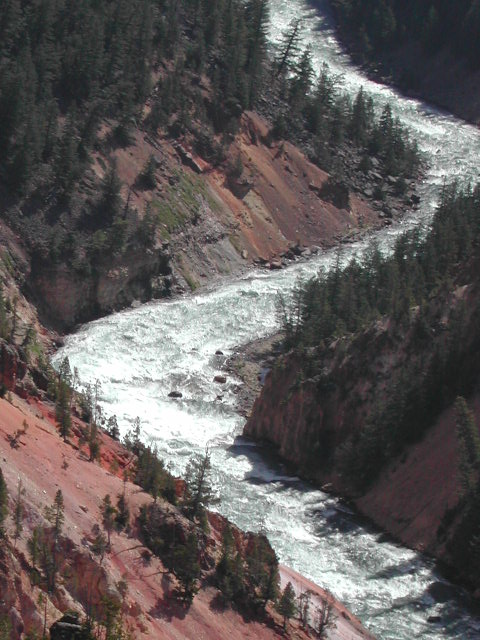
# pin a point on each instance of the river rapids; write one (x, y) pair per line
(142, 354)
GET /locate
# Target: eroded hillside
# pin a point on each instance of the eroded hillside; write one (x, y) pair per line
(139, 588)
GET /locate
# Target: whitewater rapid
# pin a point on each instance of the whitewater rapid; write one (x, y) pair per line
(142, 354)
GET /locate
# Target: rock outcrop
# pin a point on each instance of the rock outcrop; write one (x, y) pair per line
(65, 298)
(12, 367)
(17, 598)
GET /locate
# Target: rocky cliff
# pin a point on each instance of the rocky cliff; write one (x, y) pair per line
(317, 407)
(65, 297)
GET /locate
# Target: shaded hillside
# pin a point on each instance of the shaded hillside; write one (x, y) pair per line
(80, 89)
(429, 49)
(379, 353)
(378, 25)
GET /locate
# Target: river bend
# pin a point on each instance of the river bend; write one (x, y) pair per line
(140, 355)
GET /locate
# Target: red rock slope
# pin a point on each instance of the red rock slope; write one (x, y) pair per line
(44, 464)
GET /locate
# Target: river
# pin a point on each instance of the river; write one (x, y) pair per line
(140, 355)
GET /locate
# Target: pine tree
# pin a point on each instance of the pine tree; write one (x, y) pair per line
(386, 123)
(113, 429)
(257, 16)
(42, 543)
(186, 566)
(45, 544)
(55, 514)
(383, 24)
(109, 513)
(263, 578)
(64, 399)
(67, 167)
(304, 602)
(431, 31)
(3, 501)
(5, 628)
(100, 542)
(111, 619)
(147, 177)
(199, 489)
(10, 25)
(301, 82)
(18, 511)
(122, 516)
(359, 122)
(229, 572)
(4, 332)
(232, 78)
(286, 606)
(158, 478)
(33, 545)
(95, 416)
(132, 439)
(469, 447)
(289, 48)
(110, 199)
(324, 616)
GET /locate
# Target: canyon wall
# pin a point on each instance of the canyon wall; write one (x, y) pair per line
(317, 405)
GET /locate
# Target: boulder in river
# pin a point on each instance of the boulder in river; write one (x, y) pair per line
(175, 394)
(220, 379)
(275, 264)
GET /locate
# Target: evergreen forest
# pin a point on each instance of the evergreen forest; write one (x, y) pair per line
(376, 26)
(348, 297)
(81, 79)
(66, 66)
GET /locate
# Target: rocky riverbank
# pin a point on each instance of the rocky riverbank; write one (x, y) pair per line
(251, 364)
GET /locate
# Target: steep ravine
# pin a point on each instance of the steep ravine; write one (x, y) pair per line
(270, 217)
(441, 78)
